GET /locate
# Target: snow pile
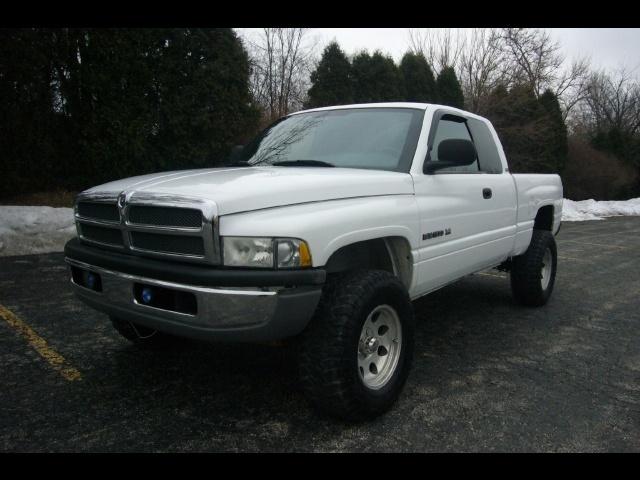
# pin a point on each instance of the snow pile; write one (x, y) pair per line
(593, 210)
(25, 230)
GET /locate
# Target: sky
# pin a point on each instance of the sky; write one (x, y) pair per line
(608, 48)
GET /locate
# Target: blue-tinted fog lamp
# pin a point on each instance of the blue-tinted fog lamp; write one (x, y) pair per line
(92, 281)
(146, 295)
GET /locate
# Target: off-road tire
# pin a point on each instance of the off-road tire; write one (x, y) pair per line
(143, 336)
(328, 348)
(527, 282)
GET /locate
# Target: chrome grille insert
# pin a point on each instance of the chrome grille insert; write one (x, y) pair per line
(154, 225)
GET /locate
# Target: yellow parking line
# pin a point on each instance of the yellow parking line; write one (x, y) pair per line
(57, 361)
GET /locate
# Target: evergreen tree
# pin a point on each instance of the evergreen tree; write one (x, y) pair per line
(449, 89)
(417, 76)
(376, 78)
(623, 144)
(28, 123)
(523, 128)
(556, 146)
(83, 106)
(331, 81)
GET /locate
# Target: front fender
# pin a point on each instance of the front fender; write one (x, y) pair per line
(330, 225)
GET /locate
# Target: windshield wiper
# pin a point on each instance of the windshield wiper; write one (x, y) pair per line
(303, 163)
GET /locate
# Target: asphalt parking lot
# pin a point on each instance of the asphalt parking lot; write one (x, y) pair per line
(488, 375)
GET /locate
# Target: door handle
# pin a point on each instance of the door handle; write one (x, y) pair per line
(487, 193)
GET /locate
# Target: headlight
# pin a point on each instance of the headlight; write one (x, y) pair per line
(265, 252)
(248, 252)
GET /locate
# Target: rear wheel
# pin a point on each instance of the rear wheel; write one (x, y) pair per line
(143, 336)
(356, 353)
(533, 273)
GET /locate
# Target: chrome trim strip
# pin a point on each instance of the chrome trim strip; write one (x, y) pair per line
(102, 244)
(181, 231)
(161, 254)
(175, 312)
(98, 222)
(176, 286)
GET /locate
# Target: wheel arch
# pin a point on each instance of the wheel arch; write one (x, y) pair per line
(544, 218)
(392, 254)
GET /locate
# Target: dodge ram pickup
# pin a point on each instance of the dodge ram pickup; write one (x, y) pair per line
(321, 231)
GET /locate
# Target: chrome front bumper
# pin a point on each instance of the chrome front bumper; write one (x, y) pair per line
(223, 314)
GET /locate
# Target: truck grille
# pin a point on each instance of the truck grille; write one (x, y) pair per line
(167, 243)
(108, 236)
(100, 211)
(151, 225)
(166, 216)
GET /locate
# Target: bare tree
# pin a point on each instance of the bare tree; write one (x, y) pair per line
(612, 101)
(281, 60)
(571, 85)
(533, 57)
(441, 47)
(480, 68)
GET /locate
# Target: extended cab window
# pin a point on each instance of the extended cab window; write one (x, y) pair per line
(450, 127)
(488, 155)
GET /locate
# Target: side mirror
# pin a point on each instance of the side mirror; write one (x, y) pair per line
(454, 152)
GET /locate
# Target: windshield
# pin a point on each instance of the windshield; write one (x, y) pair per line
(371, 138)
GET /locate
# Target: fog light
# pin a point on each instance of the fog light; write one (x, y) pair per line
(92, 280)
(146, 295)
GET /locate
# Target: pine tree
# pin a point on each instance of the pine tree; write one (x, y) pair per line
(449, 89)
(331, 81)
(417, 76)
(556, 146)
(83, 106)
(523, 127)
(376, 78)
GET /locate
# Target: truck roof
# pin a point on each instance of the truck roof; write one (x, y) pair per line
(418, 106)
(415, 105)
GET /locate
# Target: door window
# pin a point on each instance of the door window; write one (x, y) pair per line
(449, 128)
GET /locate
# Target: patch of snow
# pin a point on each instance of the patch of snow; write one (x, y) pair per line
(26, 230)
(598, 210)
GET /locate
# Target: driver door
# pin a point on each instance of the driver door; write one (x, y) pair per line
(467, 213)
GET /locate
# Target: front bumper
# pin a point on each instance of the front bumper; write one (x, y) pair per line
(224, 313)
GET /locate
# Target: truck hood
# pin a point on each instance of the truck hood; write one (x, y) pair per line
(250, 188)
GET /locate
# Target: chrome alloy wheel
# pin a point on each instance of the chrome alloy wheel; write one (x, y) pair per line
(547, 267)
(379, 346)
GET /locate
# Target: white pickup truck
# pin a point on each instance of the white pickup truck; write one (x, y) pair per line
(322, 230)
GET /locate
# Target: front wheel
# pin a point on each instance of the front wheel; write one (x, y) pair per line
(356, 353)
(533, 273)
